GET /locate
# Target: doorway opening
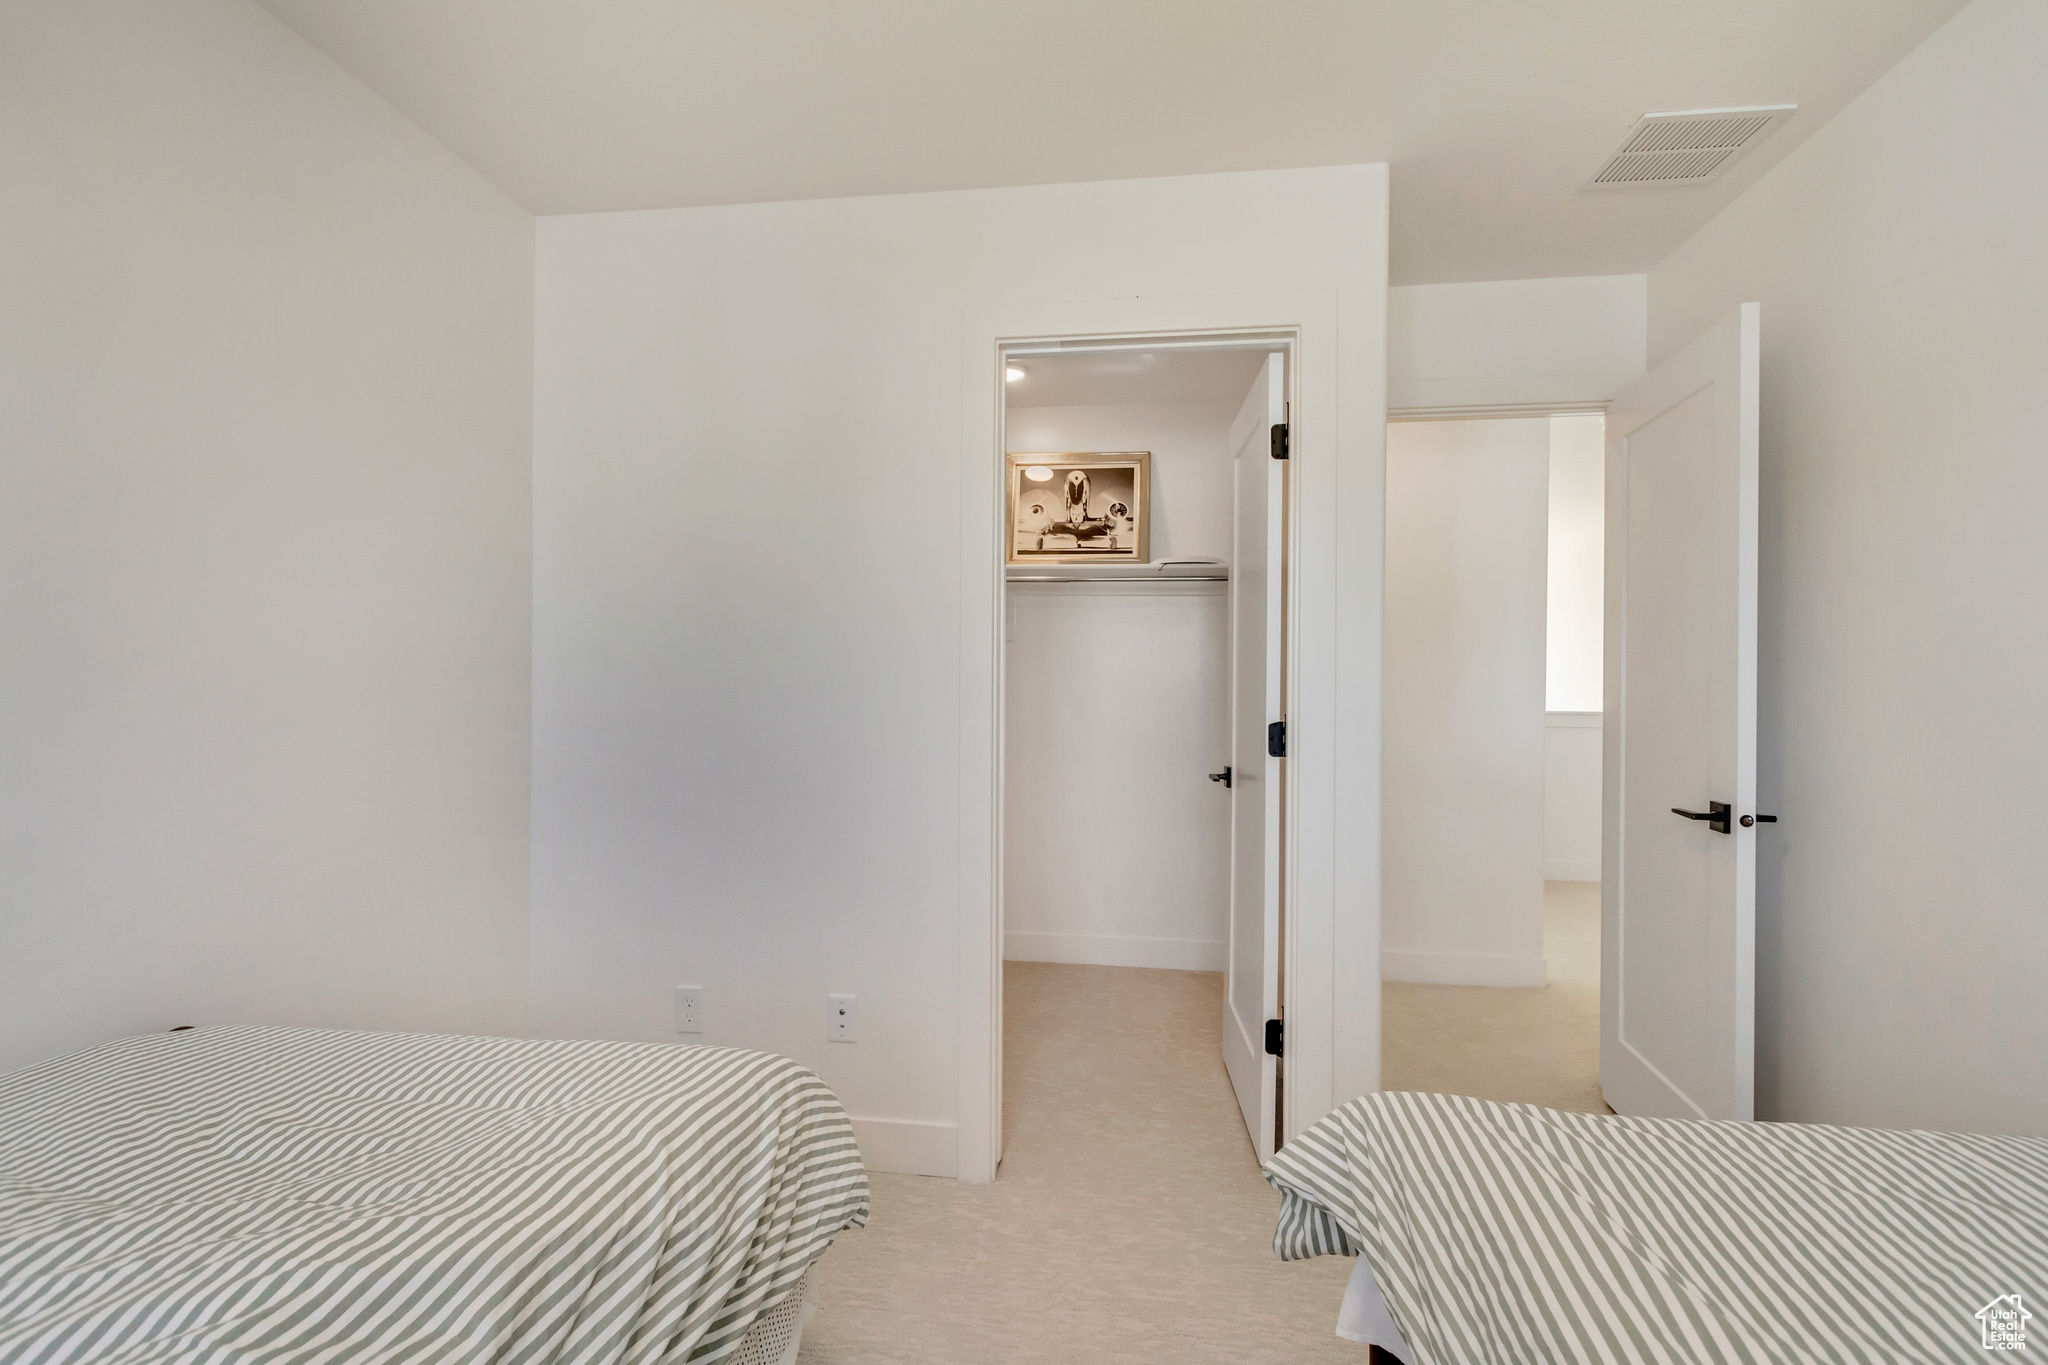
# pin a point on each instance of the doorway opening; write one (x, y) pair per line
(1142, 697)
(1492, 778)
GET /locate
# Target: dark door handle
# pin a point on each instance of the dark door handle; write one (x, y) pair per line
(1223, 777)
(1749, 820)
(1716, 815)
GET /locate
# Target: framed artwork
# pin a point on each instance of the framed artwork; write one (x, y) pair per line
(1081, 509)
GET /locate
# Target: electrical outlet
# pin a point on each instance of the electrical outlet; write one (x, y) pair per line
(839, 1019)
(689, 1009)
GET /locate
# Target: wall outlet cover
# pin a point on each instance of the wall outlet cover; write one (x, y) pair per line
(839, 1019)
(689, 1009)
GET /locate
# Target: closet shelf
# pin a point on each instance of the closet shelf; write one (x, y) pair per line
(1164, 571)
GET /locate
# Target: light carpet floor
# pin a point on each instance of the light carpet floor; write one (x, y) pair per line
(1128, 1221)
(1536, 1045)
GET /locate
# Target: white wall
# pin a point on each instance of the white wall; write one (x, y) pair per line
(1116, 844)
(1898, 257)
(748, 595)
(1571, 796)
(265, 385)
(1462, 898)
(1574, 668)
(1574, 664)
(1513, 343)
(1529, 345)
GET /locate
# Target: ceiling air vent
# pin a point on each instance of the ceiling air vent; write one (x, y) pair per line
(1686, 148)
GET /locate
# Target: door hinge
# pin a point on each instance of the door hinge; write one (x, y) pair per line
(1276, 1045)
(1276, 739)
(1280, 440)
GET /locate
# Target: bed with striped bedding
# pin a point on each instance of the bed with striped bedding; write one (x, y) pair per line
(1510, 1234)
(297, 1195)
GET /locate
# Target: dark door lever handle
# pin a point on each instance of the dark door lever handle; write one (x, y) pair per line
(1749, 820)
(1716, 815)
(1223, 777)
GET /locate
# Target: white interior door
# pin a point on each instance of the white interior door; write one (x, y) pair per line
(1678, 893)
(1252, 983)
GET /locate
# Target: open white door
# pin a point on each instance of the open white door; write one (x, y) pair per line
(1252, 983)
(1678, 880)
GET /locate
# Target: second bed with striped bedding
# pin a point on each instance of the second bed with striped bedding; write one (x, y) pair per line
(296, 1195)
(1506, 1234)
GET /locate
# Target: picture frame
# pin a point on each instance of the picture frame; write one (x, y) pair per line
(1080, 508)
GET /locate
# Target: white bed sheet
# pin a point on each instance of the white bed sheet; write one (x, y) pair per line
(1364, 1318)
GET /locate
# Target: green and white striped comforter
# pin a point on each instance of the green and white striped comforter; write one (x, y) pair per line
(294, 1195)
(1509, 1234)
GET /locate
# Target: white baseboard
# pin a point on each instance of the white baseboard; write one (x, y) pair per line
(1568, 870)
(1463, 969)
(1113, 950)
(908, 1146)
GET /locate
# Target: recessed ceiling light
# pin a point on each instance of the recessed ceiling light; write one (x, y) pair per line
(1014, 373)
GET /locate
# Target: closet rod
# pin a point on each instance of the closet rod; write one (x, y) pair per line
(1176, 578)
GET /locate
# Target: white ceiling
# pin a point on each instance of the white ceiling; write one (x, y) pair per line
(1091, 378)
(1491, 112)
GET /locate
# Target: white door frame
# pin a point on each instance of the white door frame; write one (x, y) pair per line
(1338, 443)
(1512, 404)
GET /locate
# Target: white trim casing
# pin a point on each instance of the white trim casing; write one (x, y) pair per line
(1466, 412)
(1338, 426)
(1503, 396)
